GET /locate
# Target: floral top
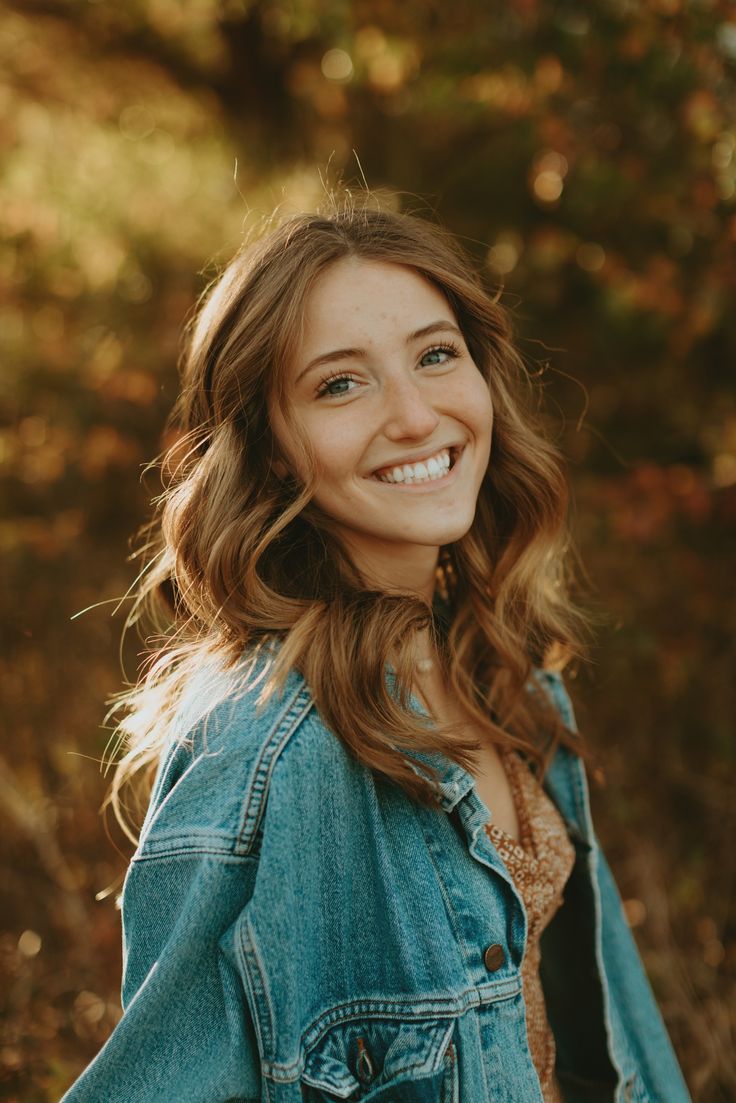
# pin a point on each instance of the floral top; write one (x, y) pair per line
(540, 864)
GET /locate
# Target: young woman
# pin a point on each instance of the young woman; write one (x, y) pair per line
(368, 870)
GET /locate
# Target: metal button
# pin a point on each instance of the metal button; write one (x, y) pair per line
(494, 957)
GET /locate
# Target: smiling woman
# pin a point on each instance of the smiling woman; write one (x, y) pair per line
(367, 870)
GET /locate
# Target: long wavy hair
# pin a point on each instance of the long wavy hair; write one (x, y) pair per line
(238, 556)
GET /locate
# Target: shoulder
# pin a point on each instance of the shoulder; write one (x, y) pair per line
(225, 763)
(216, 774)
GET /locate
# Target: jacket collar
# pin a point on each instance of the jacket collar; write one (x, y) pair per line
(565, 780)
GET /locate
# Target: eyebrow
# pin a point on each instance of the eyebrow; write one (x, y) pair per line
(440, 326)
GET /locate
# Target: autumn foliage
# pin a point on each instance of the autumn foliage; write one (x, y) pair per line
(586, 154)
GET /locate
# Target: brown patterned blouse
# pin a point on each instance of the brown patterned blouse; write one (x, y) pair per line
(540, 864)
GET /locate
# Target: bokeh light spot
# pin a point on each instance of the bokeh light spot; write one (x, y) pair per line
(726, 184)
(726, 39)
(590, 256)
(723, 150)
(724, 469)
(503, 256)
(549, 73)
(89, 1008)
(386, 72)
(547, 186)
(337, 65)
(551, 161)
(370, 42)
(635, 912)
(29, 944)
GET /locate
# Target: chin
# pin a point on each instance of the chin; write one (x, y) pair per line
(451, 536)
(449, 533)
(436, 538)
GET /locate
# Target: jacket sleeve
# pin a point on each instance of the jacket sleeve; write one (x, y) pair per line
(186, 1031)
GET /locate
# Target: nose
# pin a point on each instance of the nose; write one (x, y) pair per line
(409, 413)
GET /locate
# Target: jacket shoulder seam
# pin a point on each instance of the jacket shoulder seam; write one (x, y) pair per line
(297, 707)
(237, 837)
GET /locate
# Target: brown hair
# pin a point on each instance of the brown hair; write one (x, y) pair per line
(238, 556)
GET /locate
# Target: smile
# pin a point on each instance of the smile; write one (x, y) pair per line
(425, 471)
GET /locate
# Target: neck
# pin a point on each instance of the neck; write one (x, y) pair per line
(397, 568)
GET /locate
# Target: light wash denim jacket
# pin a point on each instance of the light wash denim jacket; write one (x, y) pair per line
(295, 930)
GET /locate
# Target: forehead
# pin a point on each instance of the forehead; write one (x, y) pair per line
(365, 300)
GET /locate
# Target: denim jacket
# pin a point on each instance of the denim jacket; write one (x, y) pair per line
(296, 929)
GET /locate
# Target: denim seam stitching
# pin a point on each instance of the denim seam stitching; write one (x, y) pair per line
(183, 851)
(446, 898)
(357, 1010)
(246, 949)
(296, 709)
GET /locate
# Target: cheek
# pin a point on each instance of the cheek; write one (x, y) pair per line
(337, 451)
(489, 417)
(484, 410)
(330, 444)
(476, 405)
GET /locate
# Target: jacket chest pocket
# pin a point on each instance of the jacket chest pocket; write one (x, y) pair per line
(383, 1061)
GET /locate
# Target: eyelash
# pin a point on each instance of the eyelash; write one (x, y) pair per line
(449, 347)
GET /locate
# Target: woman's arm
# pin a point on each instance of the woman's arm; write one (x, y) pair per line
(186, 1032)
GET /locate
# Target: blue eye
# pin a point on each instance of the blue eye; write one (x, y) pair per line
(448, 352)
(336, 386)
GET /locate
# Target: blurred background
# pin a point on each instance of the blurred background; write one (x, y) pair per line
(585, 152)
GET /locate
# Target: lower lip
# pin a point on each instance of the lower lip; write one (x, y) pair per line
(429, 485)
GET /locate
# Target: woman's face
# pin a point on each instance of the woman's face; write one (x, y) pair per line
(397, 414)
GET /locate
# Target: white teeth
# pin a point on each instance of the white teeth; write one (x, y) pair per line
(424, 471)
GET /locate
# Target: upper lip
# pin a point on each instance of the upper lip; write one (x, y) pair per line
(417, 457)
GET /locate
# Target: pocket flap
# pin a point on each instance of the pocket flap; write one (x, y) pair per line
(372, 1053)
